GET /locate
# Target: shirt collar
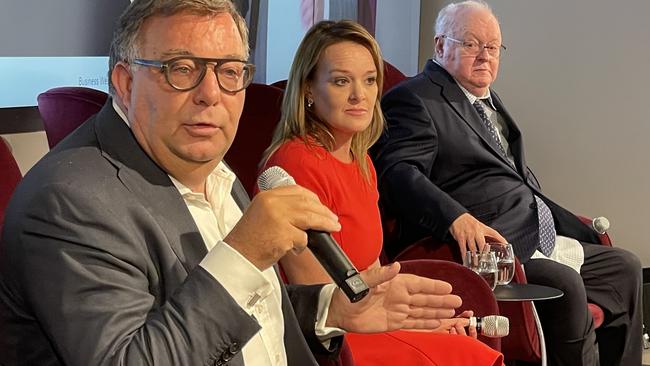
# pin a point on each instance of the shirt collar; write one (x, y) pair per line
(220, 174)
(120, 113)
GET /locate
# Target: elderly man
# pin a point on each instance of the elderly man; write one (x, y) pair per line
(451, 165)
(127, 245)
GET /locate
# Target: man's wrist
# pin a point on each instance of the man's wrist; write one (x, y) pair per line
(333, 313)
(324, 332)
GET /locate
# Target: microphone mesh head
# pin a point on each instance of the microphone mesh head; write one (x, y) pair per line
(495, 326)
(274, 177)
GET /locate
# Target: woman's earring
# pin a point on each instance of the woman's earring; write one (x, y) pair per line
(310, 102)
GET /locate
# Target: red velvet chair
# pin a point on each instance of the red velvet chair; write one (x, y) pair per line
(258, 120)
(472, 289)
(392, 76)
(523, 343)
(9, 178)
(280, 84)
(64, 109)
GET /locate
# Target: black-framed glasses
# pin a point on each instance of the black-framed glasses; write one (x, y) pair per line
(186, 73)
(474, 48)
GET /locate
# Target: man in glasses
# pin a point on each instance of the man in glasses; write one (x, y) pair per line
(451, 165)
(127, 244)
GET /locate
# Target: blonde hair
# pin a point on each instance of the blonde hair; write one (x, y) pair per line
(300, 122)
(124, 46)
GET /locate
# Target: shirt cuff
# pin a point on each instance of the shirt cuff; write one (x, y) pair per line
(243, 281)
(325, 334)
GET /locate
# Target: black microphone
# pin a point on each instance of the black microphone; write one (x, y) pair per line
(492, 326)
(321, 243)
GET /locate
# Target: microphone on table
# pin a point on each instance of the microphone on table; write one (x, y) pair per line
(600, 224)
(491, 326)
(321, 243)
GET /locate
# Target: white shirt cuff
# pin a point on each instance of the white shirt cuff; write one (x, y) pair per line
(243, 281)
(324, 333)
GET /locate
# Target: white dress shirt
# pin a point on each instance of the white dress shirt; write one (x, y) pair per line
(257, 292)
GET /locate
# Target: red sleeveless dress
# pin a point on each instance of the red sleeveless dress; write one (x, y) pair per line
(344, 190)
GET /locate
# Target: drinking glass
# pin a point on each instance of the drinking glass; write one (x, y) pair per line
(484, 264)
(505, 262)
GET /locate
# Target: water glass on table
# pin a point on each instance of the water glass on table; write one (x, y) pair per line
(484, 263)
(505, 262)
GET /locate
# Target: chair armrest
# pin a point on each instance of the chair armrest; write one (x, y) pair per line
(431, 249)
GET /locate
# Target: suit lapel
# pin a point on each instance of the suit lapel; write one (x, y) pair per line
(151, 186)
(461, 105)
(240, 195)
(515, 139)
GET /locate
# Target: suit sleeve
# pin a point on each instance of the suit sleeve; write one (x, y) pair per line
(404, 157)
(304, 300)
(87, 274)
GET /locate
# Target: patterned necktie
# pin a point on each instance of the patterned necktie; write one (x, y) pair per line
(490, 126)
(544, 215)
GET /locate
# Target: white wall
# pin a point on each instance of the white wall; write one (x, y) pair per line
(27, 148)
(575, 79)
(397, 32)
(284, 34)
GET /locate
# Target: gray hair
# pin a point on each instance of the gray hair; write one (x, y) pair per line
(124, 46)
(446, 20)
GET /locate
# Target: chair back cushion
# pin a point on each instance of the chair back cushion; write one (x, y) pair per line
(258, 120)
(392, 76)
(282, 84)
(66, 108)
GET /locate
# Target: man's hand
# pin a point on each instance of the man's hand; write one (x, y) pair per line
(396, 301)
(471, 233)
(275, 223)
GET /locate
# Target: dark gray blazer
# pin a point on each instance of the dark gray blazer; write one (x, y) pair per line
(436, 161)
(99, 266)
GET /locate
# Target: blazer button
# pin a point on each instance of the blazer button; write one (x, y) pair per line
(234, 348)
(226, 356)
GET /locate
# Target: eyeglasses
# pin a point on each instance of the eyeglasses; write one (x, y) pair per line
(186, 73)
(474, 48)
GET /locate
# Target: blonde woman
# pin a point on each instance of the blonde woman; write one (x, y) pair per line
(331, 116)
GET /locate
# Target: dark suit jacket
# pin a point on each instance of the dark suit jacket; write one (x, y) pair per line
(100, 262)
(436, 161)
